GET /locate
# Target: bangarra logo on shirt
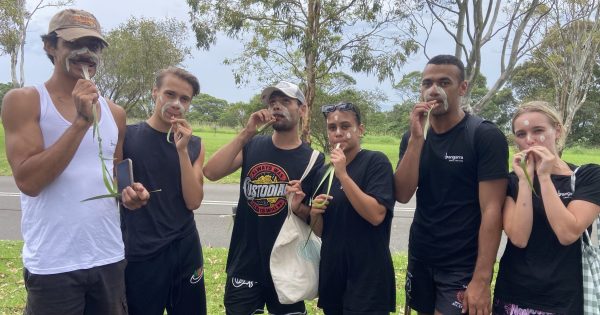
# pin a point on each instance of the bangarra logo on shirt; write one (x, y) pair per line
(264, 188)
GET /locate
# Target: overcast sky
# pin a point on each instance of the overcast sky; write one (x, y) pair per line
(215, 78)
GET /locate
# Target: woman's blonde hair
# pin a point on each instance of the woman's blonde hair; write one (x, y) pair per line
(539, 107)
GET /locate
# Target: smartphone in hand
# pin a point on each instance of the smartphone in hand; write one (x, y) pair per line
(124, 174)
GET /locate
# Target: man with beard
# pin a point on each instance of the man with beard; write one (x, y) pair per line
(459, 166)
(162, 246)
(73, 253)
(268, 164)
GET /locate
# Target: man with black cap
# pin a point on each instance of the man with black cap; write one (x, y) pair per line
(73, 252)
(268, 164)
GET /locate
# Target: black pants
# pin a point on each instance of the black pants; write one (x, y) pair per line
(173, 279)
(95, 291)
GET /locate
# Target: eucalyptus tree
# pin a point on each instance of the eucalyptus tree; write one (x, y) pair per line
(510, 28)
(14, 21)
(138, 49)
(311, 42)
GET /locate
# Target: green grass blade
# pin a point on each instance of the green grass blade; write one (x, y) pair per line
(112, 195)
(523, 165)
(169, 134)
(265, 126)
(427, 123)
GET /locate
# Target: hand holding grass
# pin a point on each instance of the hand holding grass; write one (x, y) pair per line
(338, 160)
(419, 119)
(182, 132)
(260, 120)
(524, 166)
(319, 206)
(134, 196)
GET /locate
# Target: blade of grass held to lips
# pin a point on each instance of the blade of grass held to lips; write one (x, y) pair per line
(109, 183)
(169, 134)
(426, 127)
(265, 126)
(523, 165)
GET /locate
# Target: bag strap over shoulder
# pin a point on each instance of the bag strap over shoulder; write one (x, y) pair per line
(311, 163)
(586, 233)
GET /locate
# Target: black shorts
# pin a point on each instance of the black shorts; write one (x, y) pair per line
(99, 290)
(340, 311)
(173, 280)
(430, 288)
(244, 297)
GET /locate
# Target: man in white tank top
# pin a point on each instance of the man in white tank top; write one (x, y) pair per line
(73, 253)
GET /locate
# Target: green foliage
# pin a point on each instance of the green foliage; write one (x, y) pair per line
(5, 169)
(4, 88)
(307, 42)
(11, 16)
(533, 81)
(207, 109)
(138, 49)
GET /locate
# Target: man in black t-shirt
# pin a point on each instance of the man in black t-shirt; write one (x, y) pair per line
(268, 164)
(461, 176)
(162, 246)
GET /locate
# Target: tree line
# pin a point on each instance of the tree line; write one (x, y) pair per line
(549, 50)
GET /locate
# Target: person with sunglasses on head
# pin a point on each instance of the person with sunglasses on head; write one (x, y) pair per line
(73, 254)
(458, 169)
(268, 163)
(541, 269)
(353, 217)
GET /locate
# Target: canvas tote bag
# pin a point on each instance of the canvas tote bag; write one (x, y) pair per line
(295, 256)
(590, 262)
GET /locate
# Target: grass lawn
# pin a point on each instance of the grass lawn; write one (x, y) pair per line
(216, 138)
(12, 290)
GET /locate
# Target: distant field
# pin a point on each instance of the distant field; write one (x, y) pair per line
(216, 138)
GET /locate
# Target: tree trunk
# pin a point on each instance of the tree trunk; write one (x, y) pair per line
(13, 68)
(23, 32)
(310, 57)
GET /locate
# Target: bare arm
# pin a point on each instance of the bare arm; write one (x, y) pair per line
(319, 206)
(517, 216)
(406, 177)
(192, 178)
(366, 206)
(229, 158)
(478, 294)
(35, 167)
(568, 223)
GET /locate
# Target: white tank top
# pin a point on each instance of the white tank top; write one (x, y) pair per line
(62, 233)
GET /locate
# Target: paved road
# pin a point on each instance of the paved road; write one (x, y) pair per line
(213, 218)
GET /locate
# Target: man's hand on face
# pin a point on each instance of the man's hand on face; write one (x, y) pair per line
(85, 94)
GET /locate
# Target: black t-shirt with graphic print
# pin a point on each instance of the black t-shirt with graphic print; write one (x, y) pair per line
(546, 275)
(445, 228)
(356, 269)
(262, 205)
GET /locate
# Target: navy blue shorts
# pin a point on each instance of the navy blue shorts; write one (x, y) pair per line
(430, 288)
